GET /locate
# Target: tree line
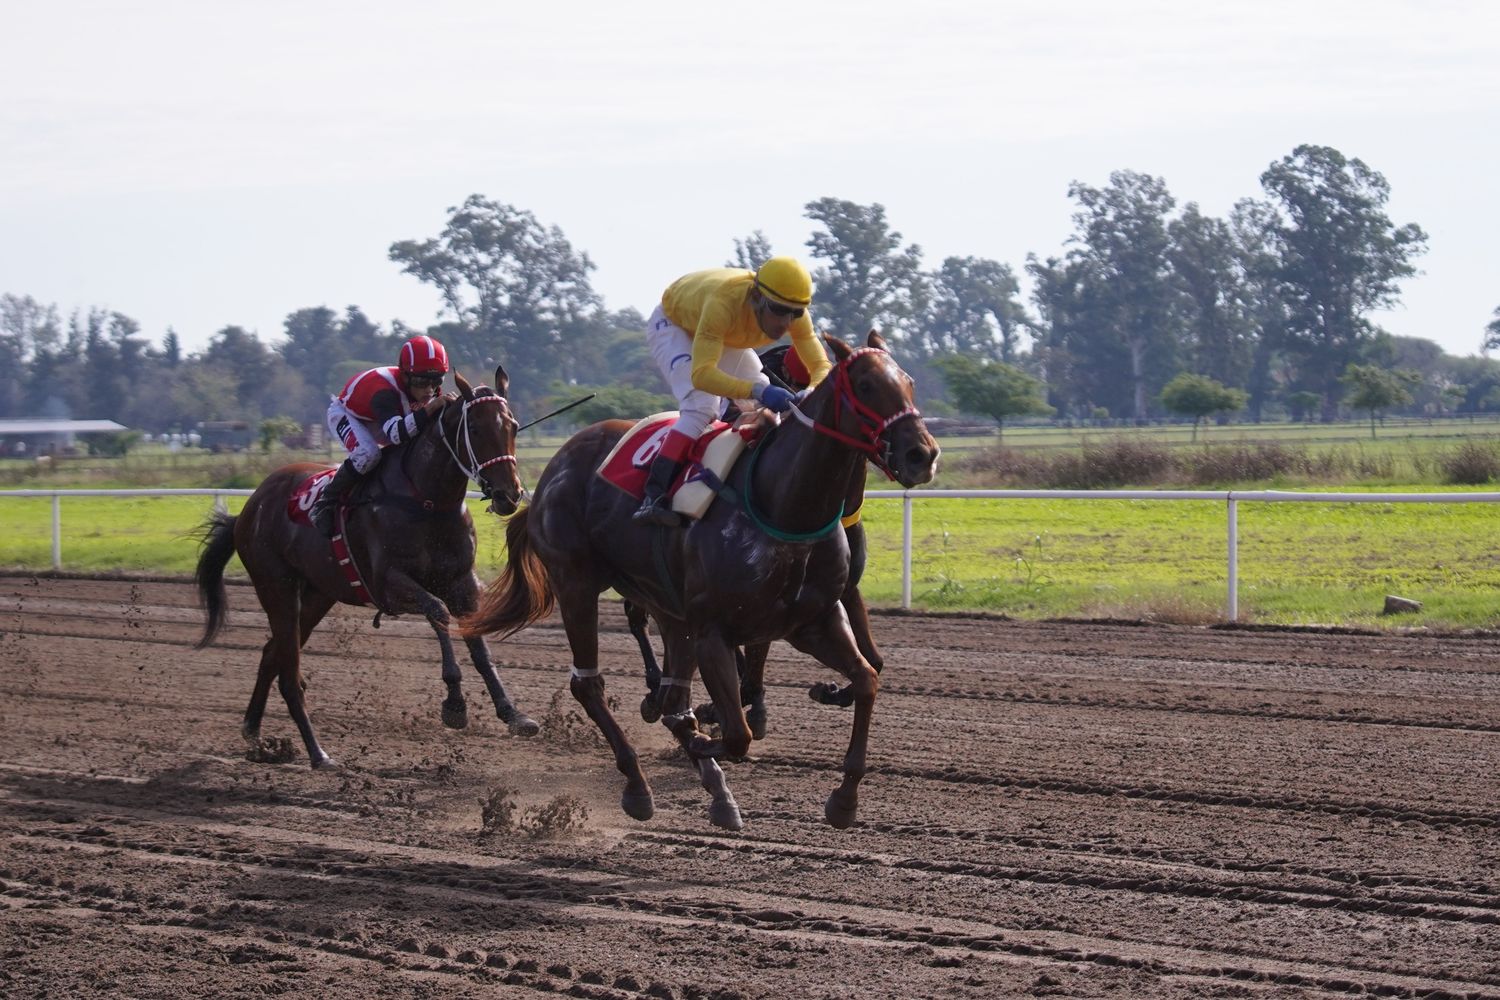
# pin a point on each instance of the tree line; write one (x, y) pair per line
(1265, 311)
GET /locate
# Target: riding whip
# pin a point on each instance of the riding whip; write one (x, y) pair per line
(561, 409)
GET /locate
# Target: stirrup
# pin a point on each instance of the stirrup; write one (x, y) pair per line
(325, 519)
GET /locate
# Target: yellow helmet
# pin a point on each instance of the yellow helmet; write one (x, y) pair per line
(785, 281)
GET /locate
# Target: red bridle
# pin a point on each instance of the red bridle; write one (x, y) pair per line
(873, 425)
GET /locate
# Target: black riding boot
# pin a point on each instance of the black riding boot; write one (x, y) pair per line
(327, 504)
(655, 508)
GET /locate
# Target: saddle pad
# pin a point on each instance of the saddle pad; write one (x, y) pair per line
(300, 502)
(297, 508)
(627, 464)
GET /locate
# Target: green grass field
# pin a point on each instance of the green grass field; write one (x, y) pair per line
(1299, 563)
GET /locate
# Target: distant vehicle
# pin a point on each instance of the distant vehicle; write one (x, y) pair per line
(226, 435)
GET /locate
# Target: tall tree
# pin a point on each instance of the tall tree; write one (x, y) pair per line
(28, 330)
(1341, 258)
(517, 291)
(1206, 269)
(1120, 247)
(868, 279)
(1252, 225)
(1492, 333)
(751, 252)
(975, 310)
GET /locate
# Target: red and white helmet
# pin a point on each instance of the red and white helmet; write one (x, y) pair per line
(423, 356)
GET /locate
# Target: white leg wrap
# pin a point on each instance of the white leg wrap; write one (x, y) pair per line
(582, 674)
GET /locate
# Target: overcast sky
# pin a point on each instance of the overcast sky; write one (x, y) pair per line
(196, 165)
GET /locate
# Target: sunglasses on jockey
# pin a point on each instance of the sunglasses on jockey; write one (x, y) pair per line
(790, 312)
(425, 380)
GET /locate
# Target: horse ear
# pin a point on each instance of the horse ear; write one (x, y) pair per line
(840, 349)
(502, 381)
(875, 339)
(464, 388)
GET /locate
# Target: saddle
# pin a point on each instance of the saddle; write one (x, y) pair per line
(297, 508)
(702, 474)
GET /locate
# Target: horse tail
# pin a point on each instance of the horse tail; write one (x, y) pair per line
(218, 545)
(520, 596)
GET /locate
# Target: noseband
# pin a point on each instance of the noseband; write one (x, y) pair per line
(473, 467)
(873, 427)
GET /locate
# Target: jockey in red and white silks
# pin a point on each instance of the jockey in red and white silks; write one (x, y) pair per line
(378, 408)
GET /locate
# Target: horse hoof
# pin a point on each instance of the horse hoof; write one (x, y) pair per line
(840, 815)
(725, 813)
(524, 725)
(823, 693)
(638, 807)
(757, 723)
(707, 714)
(456, 718)
(650, 710)
(325, 763)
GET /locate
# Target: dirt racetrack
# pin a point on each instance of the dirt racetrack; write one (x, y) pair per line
(1074, 810)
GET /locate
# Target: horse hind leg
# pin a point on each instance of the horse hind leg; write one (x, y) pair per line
(291, 622)
(580, 614)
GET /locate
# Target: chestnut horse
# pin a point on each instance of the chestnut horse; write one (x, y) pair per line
(411, 540)
(770, 565)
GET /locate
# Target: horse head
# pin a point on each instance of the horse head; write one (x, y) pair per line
(873, 409)
(484, 434)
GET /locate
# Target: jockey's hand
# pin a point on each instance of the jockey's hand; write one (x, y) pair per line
(774, 398)
(433, 405)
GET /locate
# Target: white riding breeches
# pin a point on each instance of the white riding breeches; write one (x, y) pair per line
(357, 438)
(672, 350)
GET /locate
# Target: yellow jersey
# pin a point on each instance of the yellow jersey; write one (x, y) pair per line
(714, 308)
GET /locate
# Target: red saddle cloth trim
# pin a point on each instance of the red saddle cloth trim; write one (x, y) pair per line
(297, 508)
(299, 504)
(627, 466)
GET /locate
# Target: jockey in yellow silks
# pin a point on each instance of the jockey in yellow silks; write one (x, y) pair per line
(703, 338)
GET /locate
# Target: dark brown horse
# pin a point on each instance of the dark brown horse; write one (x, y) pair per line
(410, 538)
(770, 565)
(751, 661)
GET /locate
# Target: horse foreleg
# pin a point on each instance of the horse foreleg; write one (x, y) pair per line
(519, 722)
(752, 670)
(832, 643)
(637, 619)
(455, 707)
(463, 598)
(828, 693)
(723, 811)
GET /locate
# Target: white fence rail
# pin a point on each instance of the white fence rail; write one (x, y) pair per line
(1230, 498)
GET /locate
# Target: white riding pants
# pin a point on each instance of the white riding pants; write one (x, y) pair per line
(357, 438)
(672, 350)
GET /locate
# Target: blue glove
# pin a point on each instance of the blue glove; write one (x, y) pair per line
(775, 398)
